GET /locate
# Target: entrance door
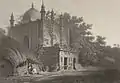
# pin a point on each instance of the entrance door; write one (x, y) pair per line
(65, 63)
(74, 61)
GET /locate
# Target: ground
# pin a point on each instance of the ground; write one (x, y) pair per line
(66, 77)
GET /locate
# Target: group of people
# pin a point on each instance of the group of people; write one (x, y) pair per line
(32, 70)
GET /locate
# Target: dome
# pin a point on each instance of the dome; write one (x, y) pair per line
(31, 15)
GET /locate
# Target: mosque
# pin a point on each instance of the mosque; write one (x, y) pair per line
(46, 40)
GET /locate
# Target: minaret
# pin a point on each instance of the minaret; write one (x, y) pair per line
(41, 29)
(61, 30)
(32, 5)
(42, 11)
(12, 20)
(69, 37)
(52, 24)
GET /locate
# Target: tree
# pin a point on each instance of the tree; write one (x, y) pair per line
(101, 40)
(90, 48)
(81, 37)
(100, 46)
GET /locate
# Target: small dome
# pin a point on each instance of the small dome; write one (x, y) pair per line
(31, 15)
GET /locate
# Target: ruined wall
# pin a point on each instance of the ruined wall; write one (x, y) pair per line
(50, 57)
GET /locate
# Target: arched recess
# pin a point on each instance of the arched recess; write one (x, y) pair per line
(26, 41)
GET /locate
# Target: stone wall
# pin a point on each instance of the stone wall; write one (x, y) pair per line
(30, 30)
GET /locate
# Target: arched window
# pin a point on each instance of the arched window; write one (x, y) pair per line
(26, 41)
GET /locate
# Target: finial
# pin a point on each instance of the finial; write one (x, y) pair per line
(12, 16)
(52, 12)
(32, 5)
(42, 3)
(12, 20)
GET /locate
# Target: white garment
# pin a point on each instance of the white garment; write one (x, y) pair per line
(34, 71)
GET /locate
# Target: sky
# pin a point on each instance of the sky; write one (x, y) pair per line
(103, 14)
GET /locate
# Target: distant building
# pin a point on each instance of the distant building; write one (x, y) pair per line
(51, 43)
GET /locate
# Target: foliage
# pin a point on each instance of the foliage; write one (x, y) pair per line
(90, 48)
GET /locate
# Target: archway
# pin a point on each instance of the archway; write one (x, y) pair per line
(74, 62)
(26, 41)
(65, 63)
